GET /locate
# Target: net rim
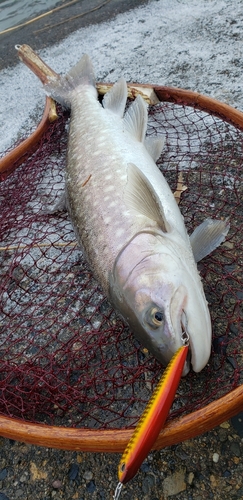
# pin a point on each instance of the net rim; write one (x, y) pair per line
(115, 440)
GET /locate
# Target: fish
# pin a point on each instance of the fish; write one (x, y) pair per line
(127, 221)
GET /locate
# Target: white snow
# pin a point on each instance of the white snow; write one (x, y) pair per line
(194, 44)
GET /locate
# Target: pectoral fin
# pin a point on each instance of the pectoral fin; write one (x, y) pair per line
(140, 197)
(208, 236)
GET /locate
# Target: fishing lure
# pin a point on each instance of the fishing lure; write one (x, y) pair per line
(152, 419)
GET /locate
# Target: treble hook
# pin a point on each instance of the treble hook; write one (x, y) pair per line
(185, 338)
(118, 491)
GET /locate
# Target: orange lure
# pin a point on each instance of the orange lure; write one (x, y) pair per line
(152, 420)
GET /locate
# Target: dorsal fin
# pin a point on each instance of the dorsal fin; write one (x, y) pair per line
(154, 146)
(136, 119)
(115, 99)
(140, 196)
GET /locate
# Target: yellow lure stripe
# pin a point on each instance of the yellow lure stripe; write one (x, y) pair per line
(153, 418)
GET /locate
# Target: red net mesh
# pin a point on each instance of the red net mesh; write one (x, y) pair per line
(66, 356)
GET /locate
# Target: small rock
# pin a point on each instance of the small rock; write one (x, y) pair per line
(213, 481)
(3, 497)
(145, 467)
(79, 458)
(215, 458)
(91, 487)
(73, 472)
(223, 435)
(36, 473)
(88, 475)
(237, 423)
(225, 425)
(3, 474)
(57, 484)
(19, 493)
(148, 484)
(227, 473)
(190, 478)
(23, 478)
(235, 448)
(175, 483)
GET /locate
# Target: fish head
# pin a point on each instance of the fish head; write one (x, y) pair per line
(159, 299)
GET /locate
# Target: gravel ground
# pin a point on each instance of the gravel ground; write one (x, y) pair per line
(210, 466)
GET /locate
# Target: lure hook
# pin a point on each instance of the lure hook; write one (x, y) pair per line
(185, 338)
(117, 491)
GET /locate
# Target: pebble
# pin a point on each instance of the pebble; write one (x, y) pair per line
(191, 476)
(214, 481)
(225, 425)
(57, 484)
(88, 475)
(3, 474)
(235, 449)
(215, 458)
(19, 493)
(91, 487)
(73, 472)
(148, 484)
(175, 483)
(237, 423)
(37, 473)
(3, 497)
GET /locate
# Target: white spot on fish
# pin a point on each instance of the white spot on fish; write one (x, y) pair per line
(119, 232)
(112, 204)
(107, 220)
(109, 188)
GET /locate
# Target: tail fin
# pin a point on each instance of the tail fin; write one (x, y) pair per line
(81, 74)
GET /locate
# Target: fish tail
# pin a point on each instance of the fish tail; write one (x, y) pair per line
(61, 87)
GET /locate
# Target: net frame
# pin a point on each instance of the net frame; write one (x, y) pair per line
(115, 440)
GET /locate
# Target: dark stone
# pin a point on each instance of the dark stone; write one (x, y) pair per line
(145, 467)
(235, 448)
(220, 345)
(3, 474)
(227, 473)
(147, 484)
(3, 497)
(73, 472)
(91, 487)
(237, 423)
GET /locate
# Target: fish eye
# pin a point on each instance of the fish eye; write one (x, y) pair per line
(155, 317)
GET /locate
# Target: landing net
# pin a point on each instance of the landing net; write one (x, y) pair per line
(66, 356)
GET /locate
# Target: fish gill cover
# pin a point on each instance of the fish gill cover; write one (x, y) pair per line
(66, 356)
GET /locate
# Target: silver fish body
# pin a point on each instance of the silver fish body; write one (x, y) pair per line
(127, 220)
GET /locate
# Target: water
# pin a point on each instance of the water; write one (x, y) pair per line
(13, 12)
